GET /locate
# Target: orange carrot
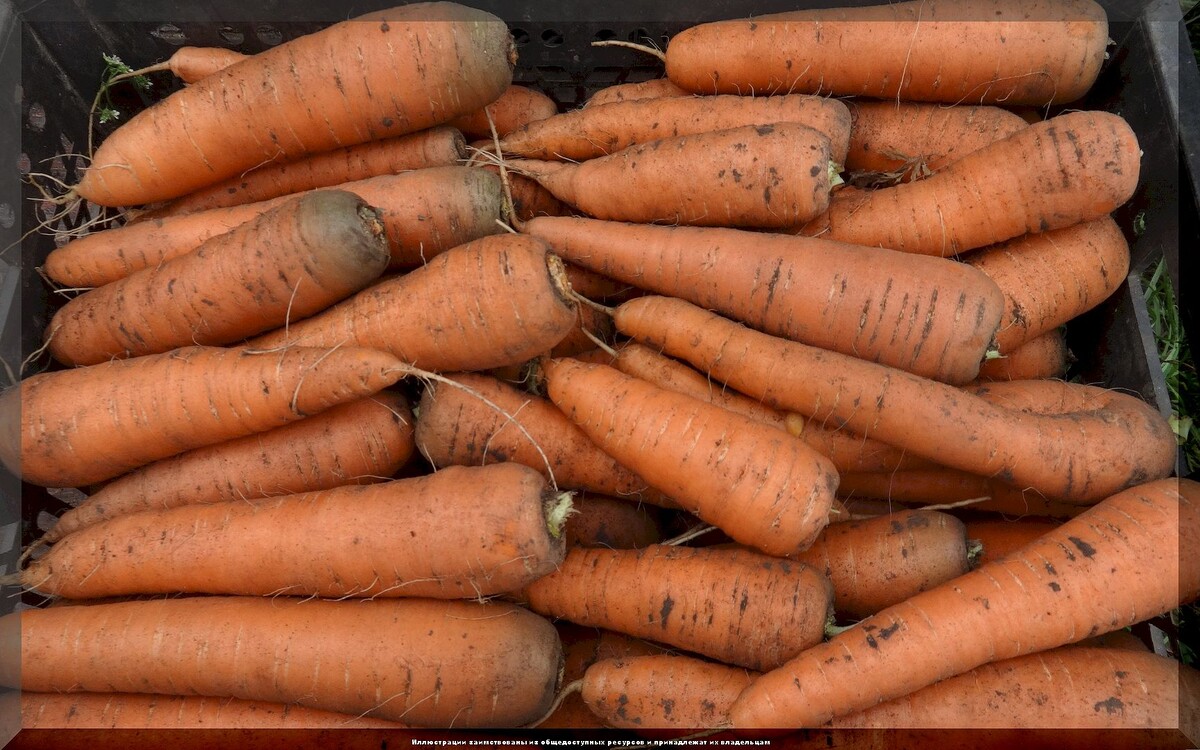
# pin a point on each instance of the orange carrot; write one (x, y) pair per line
(459, 428)
(1001, 538)
(355, 443)
(1115, 565)
(190, 64)
(881, 561)
(769, 176)
(502, 521)
(435, 147)
(901, 141)
(1046, 356)
(615, 523)
(516, 107)
(1087, 263)
(392, 657)
(937, 485)
(596, 131)
(930, 316)
(628, 92)
(1097, 442)
(529, 198)
(90, 424)
(735, 606)
(974, 51)
(289, 263)
(1073, 168)
(763, 488)
(495, 301)
(313, 93)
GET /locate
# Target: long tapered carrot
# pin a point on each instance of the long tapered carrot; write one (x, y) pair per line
(932, 316)
(762, 487)
(502, 522)
(628, 92)
(1097, 443)
(435, 147)
(935, 485)
(1046, 356)
(495, 301)
(426, 211)
(973, 51)
(1072, 168)
(457, 427)
(314, 93)
(1126, 559)
(755, 176)
(90, 424)
(736, 606)
(190, 64)
(417, 661)
(601, 130)
(517, 107)
(291, 262)
(359, 442)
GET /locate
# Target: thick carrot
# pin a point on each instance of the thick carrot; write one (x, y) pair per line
(355, 443)
(1072, 168)
(1065, 688)
(768, 176)
(435, 147)
(735, 606)
(1001, 538)
(881, 561)
(1096, 443)
(90, 424)
(459, 428)
(615, 523)
(938, 485)
(933, 317)
(1086, 263)
(426, 211)
(422, 662)
(1126, 559)
(494, 301)
(314, 93)
(502, 522)
(291, 262)
(628, 92)
(901, 141)
(761, 487)
(1046, 356)
(75, 711)
(517, 106)
(601, 130)
(977, 51)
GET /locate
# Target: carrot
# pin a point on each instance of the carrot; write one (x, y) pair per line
(291, 262)
(321, 92)
(426, 212)
(1096, 443)
(1001, 538)
(763, 488)
(354, 443)
(735, 606)
(1115, 565)
(881, 561)
(90, 424)
(1088, 262)
(628, 92)
(529, 198)
(768, 176)
(930, 316)
(1044, 357)
(1072, 168)
(1121, 640)
(615, 523)
(435, 147)
(595, 131)
(591, 324)
(459, 428)
(902, 141)
(978, 51)
(190, 64)
(939, 485)
(502, 521)
(597, 286)
(845, 451)
(516, 107)
(394, 659)
(75, 711)
(494, 301)
(1065, 688)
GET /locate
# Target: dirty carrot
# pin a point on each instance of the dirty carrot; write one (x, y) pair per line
(1046, 356)
(628, 92)
(517, 106)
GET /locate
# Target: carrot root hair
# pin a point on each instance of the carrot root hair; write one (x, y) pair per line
(649, 50)
(568, 689)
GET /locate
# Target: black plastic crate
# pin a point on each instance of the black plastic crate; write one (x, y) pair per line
(51, 66)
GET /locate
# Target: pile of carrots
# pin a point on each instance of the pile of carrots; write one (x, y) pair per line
(731, 401)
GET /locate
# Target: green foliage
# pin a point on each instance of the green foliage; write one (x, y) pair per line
(1179, 368)
(116, 70)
